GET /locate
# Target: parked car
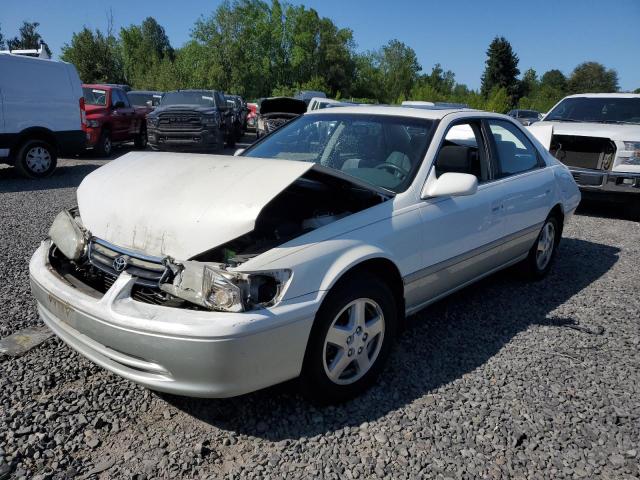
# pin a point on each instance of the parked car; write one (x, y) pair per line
(318, 103)
(300, 257)
(525, 117)
(307, 95)
(111, 119)
(240, 110)
(191, 120)
(145, 98)
(39, 120)
(598, 137)
(252, 116)
(276, 111)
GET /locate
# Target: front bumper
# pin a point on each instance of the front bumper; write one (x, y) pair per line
(179, 351)
(606, 180)
(206, 139)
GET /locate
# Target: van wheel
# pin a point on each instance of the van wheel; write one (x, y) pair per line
(543, 251)
(141, 139)
(350, 340)
(104, 147)
(36, 159)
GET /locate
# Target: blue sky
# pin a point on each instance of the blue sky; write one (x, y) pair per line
(544, 33)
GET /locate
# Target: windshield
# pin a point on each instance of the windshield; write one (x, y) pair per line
(385, 151)
(528, 114)
(203, 98)
(141, 99)
(94, 96)
(600, 109)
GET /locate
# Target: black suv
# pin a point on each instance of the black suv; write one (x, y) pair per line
(194, 120)
(240, 112)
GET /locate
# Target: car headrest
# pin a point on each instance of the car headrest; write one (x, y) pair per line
(454, 158)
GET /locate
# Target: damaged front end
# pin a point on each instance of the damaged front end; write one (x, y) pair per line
(211, 280)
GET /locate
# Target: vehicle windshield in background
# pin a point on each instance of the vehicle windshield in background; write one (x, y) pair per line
(94, 96)
(141, 99)
(600, 110)
(384, 151)
(188, 98)
(528, 114)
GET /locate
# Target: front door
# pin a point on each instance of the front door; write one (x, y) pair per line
(462, 234)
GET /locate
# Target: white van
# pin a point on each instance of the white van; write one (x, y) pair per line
(41, 113)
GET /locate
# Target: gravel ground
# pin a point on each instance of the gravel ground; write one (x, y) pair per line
(506, 379)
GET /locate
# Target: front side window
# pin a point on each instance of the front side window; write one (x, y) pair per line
(385, 151)
(462, 151)
(516, 154)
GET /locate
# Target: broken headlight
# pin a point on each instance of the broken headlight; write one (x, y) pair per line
(231, 292)
(68, 235)
(211, 286)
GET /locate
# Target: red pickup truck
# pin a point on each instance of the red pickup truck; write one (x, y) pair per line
(112, 119)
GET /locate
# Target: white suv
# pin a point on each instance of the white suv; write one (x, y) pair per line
(41, 113)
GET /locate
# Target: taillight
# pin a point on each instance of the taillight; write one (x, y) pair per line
(83, 113)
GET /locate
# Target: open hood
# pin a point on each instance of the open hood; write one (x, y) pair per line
(180, 204)
(282, 105)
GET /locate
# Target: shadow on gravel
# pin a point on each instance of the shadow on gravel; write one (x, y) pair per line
(621, 208)
(65, 176)
(441, 344)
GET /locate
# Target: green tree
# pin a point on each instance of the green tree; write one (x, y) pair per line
(95, 55)
(554, 79)
(1, 38)
(399, 67)
(28, 38)
(498, 100)
(501, 69)
(593, 77)
(637, 90)
(529, 83)
(144, 47)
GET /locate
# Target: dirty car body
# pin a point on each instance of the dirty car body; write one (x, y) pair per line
(212, 276)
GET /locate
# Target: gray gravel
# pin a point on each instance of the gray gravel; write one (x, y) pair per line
(506, 379)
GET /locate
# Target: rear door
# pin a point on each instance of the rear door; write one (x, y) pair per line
(526, 182)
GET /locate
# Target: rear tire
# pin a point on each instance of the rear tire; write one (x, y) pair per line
(104, 147)
(543, 251)
(36, 159)
(350, 340)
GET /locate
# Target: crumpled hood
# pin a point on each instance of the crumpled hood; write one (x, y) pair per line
(616, 132)
(180, 204)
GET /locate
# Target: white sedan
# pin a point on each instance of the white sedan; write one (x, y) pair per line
(214, 276)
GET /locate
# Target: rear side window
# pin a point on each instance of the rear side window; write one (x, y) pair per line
(516, 154)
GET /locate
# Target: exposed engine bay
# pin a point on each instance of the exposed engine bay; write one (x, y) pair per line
(311, 202)
(583, 152)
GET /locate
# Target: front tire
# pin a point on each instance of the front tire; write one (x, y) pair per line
(36, 159)
(141, 139)
(350, 340)
(543, 251)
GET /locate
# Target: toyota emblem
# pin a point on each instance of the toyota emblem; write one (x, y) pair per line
(120, 263)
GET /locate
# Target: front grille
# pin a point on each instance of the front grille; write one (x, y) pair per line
(149, 271)
(594, 153)
(275, 123)
(180, 121)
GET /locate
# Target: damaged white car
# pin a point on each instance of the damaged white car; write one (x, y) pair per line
(213, 276)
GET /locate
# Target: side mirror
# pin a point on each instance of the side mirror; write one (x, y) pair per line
(450, 184)
(118, 104)
(238, 152)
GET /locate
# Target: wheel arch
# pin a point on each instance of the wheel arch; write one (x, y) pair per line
(558, 212)
(34, 133)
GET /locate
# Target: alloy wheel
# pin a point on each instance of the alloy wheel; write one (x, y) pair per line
(353, 341)
(546, 244)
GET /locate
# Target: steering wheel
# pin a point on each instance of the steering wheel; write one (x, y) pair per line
(395, 169)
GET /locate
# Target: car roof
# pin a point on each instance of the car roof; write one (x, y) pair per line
(604, 95)
(101, 86)
(406, 111)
